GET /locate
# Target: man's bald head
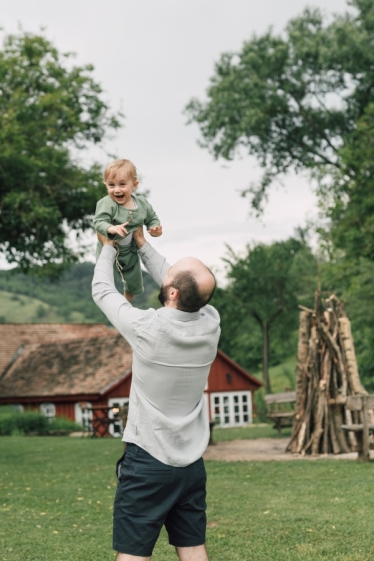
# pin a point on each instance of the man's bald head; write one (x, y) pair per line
(194, 282)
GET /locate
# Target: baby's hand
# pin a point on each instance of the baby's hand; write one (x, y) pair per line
(155, 231)
(119, 229)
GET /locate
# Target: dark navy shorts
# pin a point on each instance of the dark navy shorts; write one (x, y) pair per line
(150, 494)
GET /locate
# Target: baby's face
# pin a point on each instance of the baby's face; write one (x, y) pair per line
(121, 187)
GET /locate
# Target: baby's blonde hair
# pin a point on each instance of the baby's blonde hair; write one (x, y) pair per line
(113, 168)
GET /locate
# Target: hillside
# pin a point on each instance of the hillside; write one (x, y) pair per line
(26, 299)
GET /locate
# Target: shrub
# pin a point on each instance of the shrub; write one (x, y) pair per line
(61, 423)
(31, 421)
(7, 424)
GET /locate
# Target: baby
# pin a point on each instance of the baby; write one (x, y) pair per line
(117, 216)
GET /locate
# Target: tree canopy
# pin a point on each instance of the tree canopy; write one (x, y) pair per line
(294, 100)
(259, 307)
(49, 111)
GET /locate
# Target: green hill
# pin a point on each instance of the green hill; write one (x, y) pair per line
(27, 299)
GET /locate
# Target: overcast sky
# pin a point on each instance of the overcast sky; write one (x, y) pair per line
(151, 57)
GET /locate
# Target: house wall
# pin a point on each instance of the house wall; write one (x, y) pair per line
(219, 381)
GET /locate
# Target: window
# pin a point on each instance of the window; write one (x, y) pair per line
(83, 415)
(232, 409)
(116, 428)
(48, 410)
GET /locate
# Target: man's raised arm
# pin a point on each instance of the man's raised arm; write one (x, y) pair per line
(156, 264)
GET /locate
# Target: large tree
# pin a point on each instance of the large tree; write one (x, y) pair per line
(264, 290)
(293, 100)
(49, 111)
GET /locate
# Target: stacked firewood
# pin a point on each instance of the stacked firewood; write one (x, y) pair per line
(326, 374)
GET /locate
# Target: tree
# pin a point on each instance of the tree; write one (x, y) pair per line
(264, 285)
(292, 100)
(348, 201)
(49, 111)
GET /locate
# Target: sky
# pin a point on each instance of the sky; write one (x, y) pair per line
(151, 57)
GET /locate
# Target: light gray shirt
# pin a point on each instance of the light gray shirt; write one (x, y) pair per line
(172, 355)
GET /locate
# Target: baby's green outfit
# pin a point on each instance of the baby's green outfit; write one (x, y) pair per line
(109, 213)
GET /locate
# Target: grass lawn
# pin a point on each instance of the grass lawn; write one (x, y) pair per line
(57, 495)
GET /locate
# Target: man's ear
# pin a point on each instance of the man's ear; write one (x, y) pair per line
(173, 293)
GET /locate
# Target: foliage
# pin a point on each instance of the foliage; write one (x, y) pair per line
(67, 299)
(259, 307)
(62, 509)
(352, 281)
(13, 421)
(348, 201)
(49, 111)
(292, 100)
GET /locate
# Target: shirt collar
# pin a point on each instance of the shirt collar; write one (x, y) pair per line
(172, 313)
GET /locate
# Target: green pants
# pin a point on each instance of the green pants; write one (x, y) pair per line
(128, 259)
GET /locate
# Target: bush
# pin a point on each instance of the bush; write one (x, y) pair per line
(61, 423)
(31, 421)
(7, 424)
(13, 421)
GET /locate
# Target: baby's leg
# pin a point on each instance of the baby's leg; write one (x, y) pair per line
(129, 297)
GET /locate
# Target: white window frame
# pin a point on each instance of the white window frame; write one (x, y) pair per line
(116, 428)
(48, 410)
(83, 416)
(231, 409)
(19, 407)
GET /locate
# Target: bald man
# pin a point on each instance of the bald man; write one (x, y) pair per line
(161, 476)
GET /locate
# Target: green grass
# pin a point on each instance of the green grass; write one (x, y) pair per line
(282, 376)
(18, 308)
(57, 495)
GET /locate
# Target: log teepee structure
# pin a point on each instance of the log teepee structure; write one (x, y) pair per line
(326, 374)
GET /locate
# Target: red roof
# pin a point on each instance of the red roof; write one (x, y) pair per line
(82, 366)
(15, 335)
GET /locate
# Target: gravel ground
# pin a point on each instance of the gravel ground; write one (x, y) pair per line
(263, 449)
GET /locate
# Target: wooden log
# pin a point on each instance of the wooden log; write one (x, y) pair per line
(350, 355)
(351, 437)
(319, 416)
(339, 362)
(337, 418)
(302, 358)
(333, 435)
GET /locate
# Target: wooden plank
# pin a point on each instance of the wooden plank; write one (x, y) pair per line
(357, 428)
(364, 453)
(354, 402)
(284, 397)
(281, 415)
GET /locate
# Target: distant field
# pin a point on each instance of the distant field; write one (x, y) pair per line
(57, 497)
(18, 308)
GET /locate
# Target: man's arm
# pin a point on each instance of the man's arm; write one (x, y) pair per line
(156, 264)
(114, 305)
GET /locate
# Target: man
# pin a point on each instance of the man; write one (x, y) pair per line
(161, 477)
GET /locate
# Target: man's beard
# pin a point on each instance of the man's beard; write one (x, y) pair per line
(163, 296)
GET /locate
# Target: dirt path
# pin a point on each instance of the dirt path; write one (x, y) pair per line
(263, 449)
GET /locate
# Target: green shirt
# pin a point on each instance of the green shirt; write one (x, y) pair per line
(109, 213)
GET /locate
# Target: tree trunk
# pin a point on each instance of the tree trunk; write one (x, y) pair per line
(265, 358)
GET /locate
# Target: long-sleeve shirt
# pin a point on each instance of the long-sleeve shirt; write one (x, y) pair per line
(172, 355)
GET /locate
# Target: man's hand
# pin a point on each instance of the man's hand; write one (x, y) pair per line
(119, 229)
(155, 231)
(104, 240)
(138, 237)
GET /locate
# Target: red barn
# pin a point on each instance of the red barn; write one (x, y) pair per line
(68, 378)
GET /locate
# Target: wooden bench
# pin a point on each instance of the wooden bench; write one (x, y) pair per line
(277, 411)
(362, 430)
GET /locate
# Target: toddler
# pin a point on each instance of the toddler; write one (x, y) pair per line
(117, 216)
